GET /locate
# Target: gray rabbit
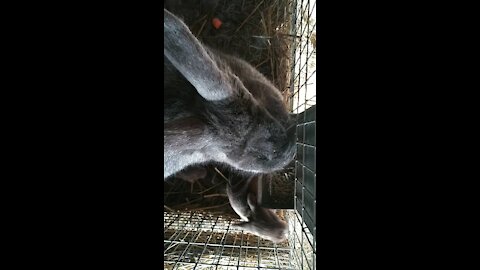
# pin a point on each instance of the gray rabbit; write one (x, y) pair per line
(263, 222)
(218, 108)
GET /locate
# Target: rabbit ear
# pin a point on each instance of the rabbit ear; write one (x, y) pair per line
(192, 60)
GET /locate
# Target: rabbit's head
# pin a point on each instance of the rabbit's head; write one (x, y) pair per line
(264, 222)
(250, 136)
(242, 120)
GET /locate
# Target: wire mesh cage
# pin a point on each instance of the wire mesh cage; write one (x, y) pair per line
(201, 241)
(282, 46)
(303, 102)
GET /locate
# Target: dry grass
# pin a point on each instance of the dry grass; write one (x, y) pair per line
(257, 31)
(208, 195)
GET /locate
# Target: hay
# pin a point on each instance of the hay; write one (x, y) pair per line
(256, 31)
(208, 195)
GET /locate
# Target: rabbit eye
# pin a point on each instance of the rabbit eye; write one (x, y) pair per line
(262, 157)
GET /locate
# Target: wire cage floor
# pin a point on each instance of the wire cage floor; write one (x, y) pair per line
(202, 240)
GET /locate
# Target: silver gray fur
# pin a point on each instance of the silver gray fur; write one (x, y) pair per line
(260, 221)
(218, 108)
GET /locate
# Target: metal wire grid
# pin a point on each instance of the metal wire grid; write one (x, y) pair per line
(303, 66)
(201, 241)
(303, 99)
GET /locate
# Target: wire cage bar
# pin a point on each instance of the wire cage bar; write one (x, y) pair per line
(303, 103)
(202, 240)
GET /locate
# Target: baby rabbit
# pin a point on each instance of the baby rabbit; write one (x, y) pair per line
(256, 220)
(218, 108)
